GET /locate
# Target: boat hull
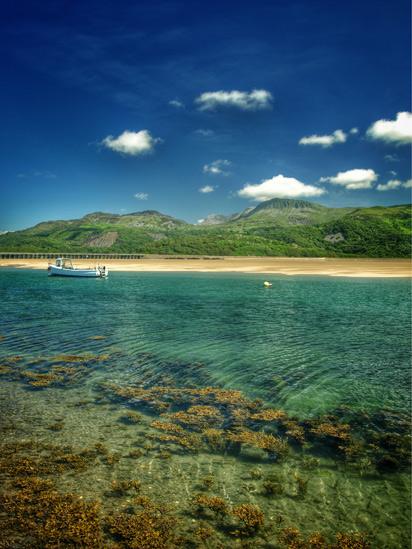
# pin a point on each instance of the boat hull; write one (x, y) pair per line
(84, 273)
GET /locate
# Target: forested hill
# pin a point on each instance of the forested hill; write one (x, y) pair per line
(278, 227)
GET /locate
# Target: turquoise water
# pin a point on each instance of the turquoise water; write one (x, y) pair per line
(310, 346)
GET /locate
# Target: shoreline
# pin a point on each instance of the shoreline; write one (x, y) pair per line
(341, 267)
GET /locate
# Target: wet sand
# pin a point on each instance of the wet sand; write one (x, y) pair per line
(372, 268)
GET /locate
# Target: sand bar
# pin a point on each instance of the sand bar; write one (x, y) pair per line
(264, 265)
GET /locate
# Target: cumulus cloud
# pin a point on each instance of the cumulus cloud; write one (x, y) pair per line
(279, 186)
(177, 104)
(390, 185)
(353, 179)
(131, 143)
(354, 131)
(397, 131)
(217, 167)
(394, 184)
(141, 196)
(207, 189)
(338, 136)
(246, 101)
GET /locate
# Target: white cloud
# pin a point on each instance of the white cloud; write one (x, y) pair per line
(205, 132)
(279, 187)
(200, 221)
(132, 143)
(353, 131)
(246, 101)
(207, 189)
(141, 196)
(397, 131)
(391, 158)
(389, 186)
(353, 179)
(217, 167)
(394, 184)
(46, 174)
(177, 104)
(36, 173)
(338, 136)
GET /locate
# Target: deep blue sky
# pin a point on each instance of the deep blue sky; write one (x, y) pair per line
(74, 73)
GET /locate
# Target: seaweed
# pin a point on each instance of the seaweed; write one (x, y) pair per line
(269, 414)
(215, 439)
(293, 539)
(204, 532)
(49, 519)
(207, 482)
(122, 487)
(301, 486)
(274, 446)
(149, 527)
(132, 417)
(215, 504)
(250, 516)
(272, 486)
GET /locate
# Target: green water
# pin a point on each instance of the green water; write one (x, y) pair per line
(310, 346)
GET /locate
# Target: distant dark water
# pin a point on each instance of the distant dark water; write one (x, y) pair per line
(310, 346)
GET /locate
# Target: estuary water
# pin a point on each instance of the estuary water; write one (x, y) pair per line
(177, 393)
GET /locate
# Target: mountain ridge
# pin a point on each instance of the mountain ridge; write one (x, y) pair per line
(274, 227)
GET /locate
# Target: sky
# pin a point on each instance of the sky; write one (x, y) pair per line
(193, 108)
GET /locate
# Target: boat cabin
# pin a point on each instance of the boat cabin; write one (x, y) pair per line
(64, 263)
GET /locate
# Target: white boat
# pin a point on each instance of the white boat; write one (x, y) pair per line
(64, 267)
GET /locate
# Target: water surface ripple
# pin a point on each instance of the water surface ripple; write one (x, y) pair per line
(308, 344)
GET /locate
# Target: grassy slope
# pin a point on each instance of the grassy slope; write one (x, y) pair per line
(286, 231)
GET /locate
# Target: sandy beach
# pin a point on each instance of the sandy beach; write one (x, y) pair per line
(265, 265)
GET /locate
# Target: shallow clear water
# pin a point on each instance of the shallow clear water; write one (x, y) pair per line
(310, 346)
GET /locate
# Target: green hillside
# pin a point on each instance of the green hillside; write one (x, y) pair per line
(277, 227)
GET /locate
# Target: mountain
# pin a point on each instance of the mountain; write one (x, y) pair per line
(292, 212)
(214, 219)
(278, 227)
